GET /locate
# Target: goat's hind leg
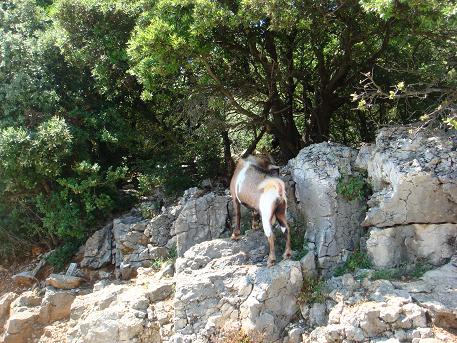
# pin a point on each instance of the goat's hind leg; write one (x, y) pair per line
(267, 218)
(281, 217)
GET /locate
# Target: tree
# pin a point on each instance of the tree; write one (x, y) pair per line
(285, 66)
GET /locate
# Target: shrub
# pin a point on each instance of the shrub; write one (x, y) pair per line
(313, 290)
(358, 260)
(352, 187)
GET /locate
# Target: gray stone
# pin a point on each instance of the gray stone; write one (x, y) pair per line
(160, 291)
(219, 288)
(390, 247)
(318, 315)
(308, 265)
(98, 249)
(55, 305)
(201, 219)
(5, 302)
(332, 222)
(414, 177)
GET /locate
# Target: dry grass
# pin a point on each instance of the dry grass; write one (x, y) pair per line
(238, 336)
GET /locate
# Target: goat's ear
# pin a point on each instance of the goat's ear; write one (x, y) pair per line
(273, 167)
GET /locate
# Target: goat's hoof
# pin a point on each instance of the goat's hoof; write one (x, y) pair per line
(235, 237)
(287, 255)
(271, 263)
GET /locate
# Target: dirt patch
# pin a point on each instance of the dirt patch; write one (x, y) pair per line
(445, 335)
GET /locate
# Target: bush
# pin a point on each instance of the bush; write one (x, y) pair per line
(352, 187)
(357, 260)
(313, 290)
(61, 256)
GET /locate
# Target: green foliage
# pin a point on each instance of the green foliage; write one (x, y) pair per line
(352, 187)
(61, 256)
(358, 260)
(404, 271)
(313, 291)
(297, 237)
(95, 95)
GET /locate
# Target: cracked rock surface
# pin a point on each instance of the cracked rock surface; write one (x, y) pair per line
(223, 285)
(413, 211)
(202, 219)
(332, 222)
(414, 177)
(385, 311)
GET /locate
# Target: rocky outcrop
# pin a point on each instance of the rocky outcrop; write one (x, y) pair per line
(435, 291)
(221, 287)
(113, 314)
(371, 311)
(98, 249)
(132, 241)
(414, 178)
(413, 212)
(332, 222)
(434, 243)
(202, 218)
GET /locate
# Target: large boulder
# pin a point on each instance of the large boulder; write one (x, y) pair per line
(390, 247)
(435, 291)
(222, 285)
(413, 211)
(378, 311)
(332, 221)
(202, 218)
(98, 251)
(414, 177)
(56, 305)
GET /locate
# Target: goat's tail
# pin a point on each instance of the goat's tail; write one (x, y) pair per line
(274, 183)
(273, 196)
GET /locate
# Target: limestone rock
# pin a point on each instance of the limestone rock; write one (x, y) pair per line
(218, 288)
(390, 247)
(55, 305)
(113, 314)
(308, 265)
(98, 249)
(160, 291)
(5, 302)
(201, 219)
(414, 177)
(25, 279)
(435, 291)
(332, 222)
(64, 281)
(19, 326)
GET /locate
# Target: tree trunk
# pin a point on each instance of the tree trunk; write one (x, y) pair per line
(284, 130)
(319, 129)
(228, 160)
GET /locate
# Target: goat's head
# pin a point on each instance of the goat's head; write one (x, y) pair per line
(263, 161)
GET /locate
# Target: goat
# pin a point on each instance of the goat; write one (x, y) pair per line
(252, 186)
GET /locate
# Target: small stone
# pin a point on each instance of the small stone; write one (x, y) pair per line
(24, 279)
(308, 265)
(160, 291)
(64, 281)
(354, 334)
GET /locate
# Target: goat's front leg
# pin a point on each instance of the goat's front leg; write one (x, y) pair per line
(237, 214)
(255, 222)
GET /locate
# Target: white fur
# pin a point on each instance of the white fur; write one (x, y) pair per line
(240, 179)
(283, 229)
(266, 203)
